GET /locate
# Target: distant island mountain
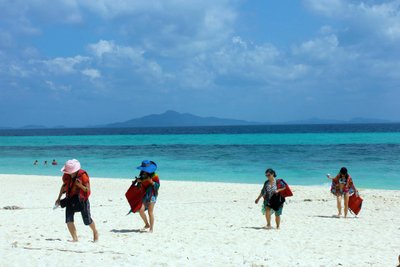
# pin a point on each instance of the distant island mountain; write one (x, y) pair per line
(172, 118)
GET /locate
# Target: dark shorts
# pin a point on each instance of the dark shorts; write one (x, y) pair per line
(69, 213)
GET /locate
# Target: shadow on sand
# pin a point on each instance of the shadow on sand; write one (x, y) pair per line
(125, 231)
(255, 228)
(53, 239)
(333, 217)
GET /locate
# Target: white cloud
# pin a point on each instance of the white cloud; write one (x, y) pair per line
(54, 87)
(65, 65)
(360, 48)
(25, 17)
(114, 8)
(241, 63)
(172, 28)
(365, 17)
(132, 59)
(238, 40)
(102, 47)
(322, 48)
(259, 62)
(383, 17)
(330, 8)
(92, 73)
(18, 70)
(109, 48)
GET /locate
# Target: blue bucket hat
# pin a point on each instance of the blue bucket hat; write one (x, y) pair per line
(148, 166)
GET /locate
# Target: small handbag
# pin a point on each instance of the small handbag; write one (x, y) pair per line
(75, 203)
(63, 202)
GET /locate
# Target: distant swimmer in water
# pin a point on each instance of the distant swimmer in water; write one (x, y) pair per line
(54, 162)
(36, 162)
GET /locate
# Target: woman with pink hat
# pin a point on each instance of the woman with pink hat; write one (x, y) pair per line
(76, 186)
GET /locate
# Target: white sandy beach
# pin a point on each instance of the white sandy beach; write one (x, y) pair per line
(197, 224)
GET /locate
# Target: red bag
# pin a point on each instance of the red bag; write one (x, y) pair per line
(355, 203)
(287, 192)
(134, 195)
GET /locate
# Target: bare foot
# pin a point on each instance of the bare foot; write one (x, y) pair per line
(73, 240)
(95, 236)
(145, 228)
(268, 227)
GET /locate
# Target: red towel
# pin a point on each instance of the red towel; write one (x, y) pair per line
(134, 195)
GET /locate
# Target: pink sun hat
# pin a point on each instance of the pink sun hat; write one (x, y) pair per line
(71, 166)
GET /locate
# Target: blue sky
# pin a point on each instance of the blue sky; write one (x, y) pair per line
(79, 63)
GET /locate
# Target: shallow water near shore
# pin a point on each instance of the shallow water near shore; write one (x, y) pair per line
(300, 154)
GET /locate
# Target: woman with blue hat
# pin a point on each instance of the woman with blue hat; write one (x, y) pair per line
(151, 183)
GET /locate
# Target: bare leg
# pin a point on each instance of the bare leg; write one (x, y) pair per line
(95, 233)
(339, 204)
(268, 217)
(277, 221)
(72, 231)
(144, 218)
(346, 204)
(151, 216)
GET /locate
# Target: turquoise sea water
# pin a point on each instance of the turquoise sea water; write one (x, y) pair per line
(299, 154)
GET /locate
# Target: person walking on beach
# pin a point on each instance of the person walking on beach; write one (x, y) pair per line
(342, 187)
(76, 185)
(273, 201)
(150, 182)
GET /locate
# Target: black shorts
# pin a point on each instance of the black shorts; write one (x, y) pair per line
(69, 213)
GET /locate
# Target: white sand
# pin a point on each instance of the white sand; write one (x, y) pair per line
(197, 224)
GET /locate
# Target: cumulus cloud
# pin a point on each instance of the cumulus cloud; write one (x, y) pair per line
(18, 71)
(105, 48)
(62, 65)
(127, 59)
(56, 87)
(326, 47)
(365, 17)
(359, 49)
(102, 47)
(92, 73)
(263, 63)
(173, 28)
(239, 41)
